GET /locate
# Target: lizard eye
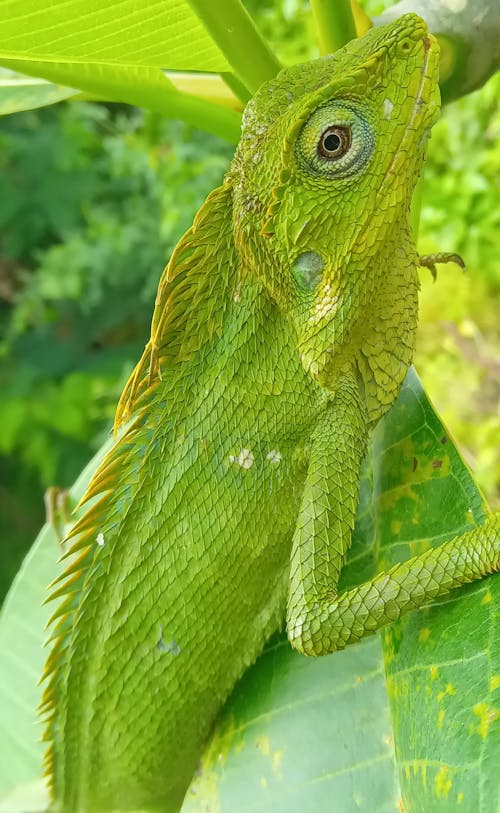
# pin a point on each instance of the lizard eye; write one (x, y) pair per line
(336, 141)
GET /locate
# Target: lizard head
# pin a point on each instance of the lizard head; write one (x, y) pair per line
(323, 178)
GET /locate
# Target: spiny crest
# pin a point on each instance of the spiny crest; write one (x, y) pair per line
(188, 312)
(189, 303)
(69, 585)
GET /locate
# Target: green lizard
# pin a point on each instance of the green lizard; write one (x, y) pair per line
(283, 329)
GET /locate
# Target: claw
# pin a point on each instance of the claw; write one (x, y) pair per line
(431, 260)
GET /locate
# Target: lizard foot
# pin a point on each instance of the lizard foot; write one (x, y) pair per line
(431, 260)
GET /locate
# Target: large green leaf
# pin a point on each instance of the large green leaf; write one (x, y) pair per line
(153, 33)
(22, 633)
(411, 714)
(299, 733)
(116, 51)
(443, 663)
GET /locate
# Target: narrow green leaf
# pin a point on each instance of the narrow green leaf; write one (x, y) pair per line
(139, 85)
(18, 92)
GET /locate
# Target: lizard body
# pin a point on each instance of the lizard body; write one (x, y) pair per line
(283, 329)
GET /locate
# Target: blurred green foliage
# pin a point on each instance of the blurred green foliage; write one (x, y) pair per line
(93, 200)
(289, 26)
(458, 348)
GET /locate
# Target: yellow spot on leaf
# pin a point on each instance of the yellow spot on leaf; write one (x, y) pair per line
(460, 798)
(494, 682)
(424, 634)
(390, 499)
(263, 745)
(487, 597)
(455, 5)
(407, 771)
(449, 690)
(442, 782)
(263, 782)
(277, 760)
(389, 653)
(441, 718)
(396, 525)
(434, 672)
(487, 715)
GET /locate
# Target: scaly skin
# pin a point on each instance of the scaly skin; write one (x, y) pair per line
(283, 329)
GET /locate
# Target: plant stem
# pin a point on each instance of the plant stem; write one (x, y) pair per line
(239, 89)
(234, 31)
(334, 23)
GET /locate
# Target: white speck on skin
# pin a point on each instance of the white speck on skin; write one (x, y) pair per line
(245, 459)
(100, 539)
(327, 305)
(167, 646)
(237, 292)
(274, 457)
(388, 108)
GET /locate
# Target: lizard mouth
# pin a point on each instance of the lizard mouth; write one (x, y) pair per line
(424, 114)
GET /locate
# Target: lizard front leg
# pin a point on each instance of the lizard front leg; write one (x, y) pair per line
(319, 621)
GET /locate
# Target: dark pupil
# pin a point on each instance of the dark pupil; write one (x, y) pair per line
(331, 142)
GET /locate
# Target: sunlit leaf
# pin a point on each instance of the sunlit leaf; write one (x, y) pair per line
(80, 45)
(120, 32)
